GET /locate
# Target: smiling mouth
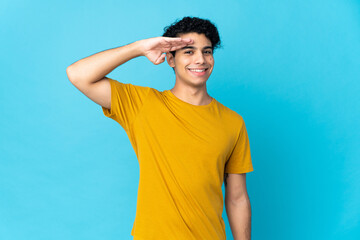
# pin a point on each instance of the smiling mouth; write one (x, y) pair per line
(197, 69)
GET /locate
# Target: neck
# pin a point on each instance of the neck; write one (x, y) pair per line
(192, 95)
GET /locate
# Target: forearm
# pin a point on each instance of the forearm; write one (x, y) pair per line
(239, 216)
(97, 66)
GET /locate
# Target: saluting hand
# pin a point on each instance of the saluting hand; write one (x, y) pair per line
(153, 48)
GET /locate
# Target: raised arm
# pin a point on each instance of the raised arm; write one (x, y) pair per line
(89, 74)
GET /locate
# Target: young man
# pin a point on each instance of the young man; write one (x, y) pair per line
(187, 143)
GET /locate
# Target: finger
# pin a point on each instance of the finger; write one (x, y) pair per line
(178, 40)
(171, 41)
(160, 59)
(174, 48)
(187, 40)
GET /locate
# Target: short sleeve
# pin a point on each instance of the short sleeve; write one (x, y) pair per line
(126, 101)
(240, 158)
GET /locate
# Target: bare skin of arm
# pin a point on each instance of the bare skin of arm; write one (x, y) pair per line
(89, 74)
(237, 205)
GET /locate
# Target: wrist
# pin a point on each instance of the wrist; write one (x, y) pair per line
(138, 48)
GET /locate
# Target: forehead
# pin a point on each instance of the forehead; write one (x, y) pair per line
(199, 39)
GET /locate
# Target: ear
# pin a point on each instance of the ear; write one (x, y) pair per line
(170, 59)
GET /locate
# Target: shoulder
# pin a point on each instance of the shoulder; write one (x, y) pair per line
(131, 88)
(231, 115)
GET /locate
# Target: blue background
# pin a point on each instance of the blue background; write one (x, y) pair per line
(290, 68)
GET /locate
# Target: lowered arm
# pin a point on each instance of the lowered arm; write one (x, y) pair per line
(237, 205)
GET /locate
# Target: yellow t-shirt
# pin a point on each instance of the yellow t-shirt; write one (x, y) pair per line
(183, 151)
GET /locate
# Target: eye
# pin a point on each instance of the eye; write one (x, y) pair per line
(206, 52)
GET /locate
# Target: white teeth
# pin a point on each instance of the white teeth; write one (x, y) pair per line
(195, 70)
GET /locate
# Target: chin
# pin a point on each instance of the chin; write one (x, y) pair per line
(198, 83)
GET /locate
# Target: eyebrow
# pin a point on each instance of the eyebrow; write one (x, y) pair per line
(191, 47)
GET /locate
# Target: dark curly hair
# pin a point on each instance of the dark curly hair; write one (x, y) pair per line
(194, 24)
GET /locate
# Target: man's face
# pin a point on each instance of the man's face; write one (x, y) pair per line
(194, 63)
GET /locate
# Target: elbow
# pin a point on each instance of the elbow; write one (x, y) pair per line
(70, 74)
(244, 199)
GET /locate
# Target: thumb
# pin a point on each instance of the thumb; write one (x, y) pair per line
(161, 59)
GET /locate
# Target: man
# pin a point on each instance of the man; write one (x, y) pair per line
(187, 143)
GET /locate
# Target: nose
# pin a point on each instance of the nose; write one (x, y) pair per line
(200, 58)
